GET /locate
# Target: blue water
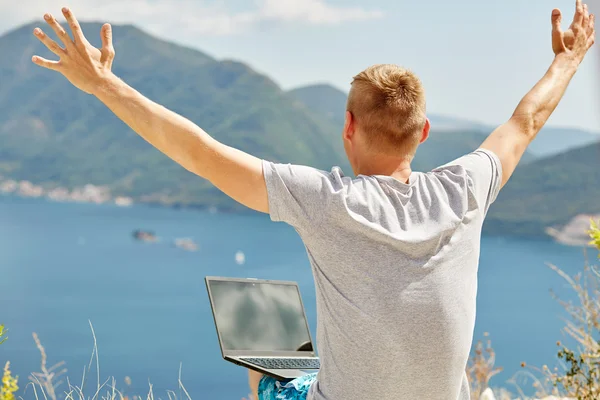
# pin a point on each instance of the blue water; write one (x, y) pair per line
(64, 264)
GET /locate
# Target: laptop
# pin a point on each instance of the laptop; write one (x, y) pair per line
(261, 325)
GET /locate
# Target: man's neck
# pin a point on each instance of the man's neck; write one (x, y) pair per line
(397, 169)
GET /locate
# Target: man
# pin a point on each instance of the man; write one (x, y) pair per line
(394, 252)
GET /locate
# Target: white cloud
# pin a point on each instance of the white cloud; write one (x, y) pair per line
(312, 11)
(192, 16)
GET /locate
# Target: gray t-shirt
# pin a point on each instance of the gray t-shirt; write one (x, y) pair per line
(395, 269)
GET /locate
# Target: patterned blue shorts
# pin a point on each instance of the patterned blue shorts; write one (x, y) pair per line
(271, 389)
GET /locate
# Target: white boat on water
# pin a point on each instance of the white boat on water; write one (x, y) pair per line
(240, 258)
(186, 244)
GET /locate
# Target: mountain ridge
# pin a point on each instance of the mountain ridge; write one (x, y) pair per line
(57, 137)
(548, 193)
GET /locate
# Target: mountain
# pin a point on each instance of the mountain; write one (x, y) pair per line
(552, 141)
(323, 99)
(450, 137)
(548, 193)
(331, 102)
(53, 134)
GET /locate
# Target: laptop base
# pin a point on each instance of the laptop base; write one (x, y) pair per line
(279, 374)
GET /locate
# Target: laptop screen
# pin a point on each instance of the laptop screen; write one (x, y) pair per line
(255, 316)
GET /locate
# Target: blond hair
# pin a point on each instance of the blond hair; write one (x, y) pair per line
(388, 104)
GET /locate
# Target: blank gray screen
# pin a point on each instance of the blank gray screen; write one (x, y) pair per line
(259, 316)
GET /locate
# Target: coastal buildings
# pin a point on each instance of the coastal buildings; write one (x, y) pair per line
(86, 194)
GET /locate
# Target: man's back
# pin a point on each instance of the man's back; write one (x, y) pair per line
(395, 268)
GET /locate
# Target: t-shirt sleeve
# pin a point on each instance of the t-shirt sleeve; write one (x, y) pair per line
(484, 170)
(298, 195)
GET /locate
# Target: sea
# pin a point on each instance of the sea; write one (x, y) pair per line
(66, 269)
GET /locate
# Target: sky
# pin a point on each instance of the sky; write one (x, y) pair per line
(476, 58)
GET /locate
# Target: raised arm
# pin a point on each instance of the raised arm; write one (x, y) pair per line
(510, 140)
(237, 174)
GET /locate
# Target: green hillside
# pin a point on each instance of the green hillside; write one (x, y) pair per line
(553, 141)
(53, 134)
(323, 99)
(548, 192)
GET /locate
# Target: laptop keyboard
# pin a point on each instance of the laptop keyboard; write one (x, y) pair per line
(284, 363)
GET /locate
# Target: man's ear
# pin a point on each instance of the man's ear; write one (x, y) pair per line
(349, 126)
(426, 130)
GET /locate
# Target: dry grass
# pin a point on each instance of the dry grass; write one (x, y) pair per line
(481, 367)
(44, 384)
(46, 379)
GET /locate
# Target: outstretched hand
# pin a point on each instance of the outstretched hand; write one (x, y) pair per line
(81, 63)
(579, 38)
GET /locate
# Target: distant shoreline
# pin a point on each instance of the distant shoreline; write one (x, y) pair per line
(95, 195)
(573, 234)
(86, 194)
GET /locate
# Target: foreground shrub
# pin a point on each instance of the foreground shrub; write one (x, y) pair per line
(2, 334)
(578, 373)
(9, 384)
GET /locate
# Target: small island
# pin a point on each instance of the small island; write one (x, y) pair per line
(145, 236)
